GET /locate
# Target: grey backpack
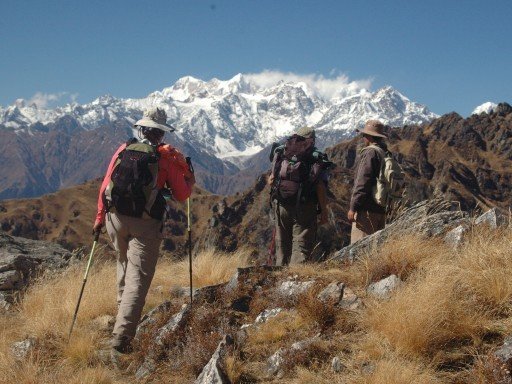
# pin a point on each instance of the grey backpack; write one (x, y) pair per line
(390, 185)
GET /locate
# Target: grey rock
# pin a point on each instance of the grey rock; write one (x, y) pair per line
(6, 301)
(384, 287)
(21, 259)
(494, 218)
(336, 365)
(455, 237)
(21, 349)
(267, 314)
(367, 368)
(175, 322)
(504, 353)
(332, 293)
(213, 372)
(350, 300)
(428, 218)
(243, 276)
(149, 318)
(292, 288)
(10, 280)
(275, 362)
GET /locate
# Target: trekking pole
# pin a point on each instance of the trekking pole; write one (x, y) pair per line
(189, 247)
(96, 237)
(189, 230)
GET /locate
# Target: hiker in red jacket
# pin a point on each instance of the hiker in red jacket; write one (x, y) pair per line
(131, 204)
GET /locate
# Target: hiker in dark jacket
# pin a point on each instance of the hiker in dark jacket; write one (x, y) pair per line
(296, 222)
(365, 214)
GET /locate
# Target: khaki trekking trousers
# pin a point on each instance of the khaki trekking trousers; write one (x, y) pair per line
(137, 242)
(366, 223)
(295, 232)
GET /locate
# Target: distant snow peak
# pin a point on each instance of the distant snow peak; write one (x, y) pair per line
(487, 107)
(324, 87)
(235, 118)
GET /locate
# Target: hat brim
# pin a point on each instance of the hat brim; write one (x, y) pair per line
(374, 134)
(144, 122)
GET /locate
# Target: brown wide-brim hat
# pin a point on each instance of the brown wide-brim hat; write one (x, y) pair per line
(155, 118)
(373, 128)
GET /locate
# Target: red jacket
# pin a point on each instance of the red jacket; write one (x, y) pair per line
(173, 171)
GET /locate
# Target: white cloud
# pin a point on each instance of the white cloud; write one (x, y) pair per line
(50, 100)
(325, 87)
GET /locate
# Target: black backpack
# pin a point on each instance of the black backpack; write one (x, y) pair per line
(295, 171)
(132, 190)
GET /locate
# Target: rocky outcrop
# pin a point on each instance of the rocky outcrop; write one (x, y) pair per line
(22, 259)
(172, 336)
(213, 372)
(428, 218)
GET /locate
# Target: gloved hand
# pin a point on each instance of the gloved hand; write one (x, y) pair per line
(97, 228)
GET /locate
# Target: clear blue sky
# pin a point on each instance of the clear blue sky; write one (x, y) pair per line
(449, 55)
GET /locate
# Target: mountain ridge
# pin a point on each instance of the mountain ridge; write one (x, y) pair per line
(221, 125)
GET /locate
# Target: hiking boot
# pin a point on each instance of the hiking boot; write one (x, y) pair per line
(123, 348)
(122, 345)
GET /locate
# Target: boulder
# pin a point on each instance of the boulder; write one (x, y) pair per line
(6, 301)
(455, 237)
(384, 287)
(494, 218)
(23, 348)
(213, 372)
(175, 322)
(291, 288)
(428, 218)
(21, 259)
(350, 300)
(336, 365)
(11, 280)
(275, 362)
(332, 293)
(504, 353)
(267, 314)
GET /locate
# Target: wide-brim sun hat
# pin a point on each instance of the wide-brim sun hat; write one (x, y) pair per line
(306, 132)
(155, 118)
(373, 128)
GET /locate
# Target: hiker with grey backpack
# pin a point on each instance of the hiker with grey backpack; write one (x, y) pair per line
(298, 180)
(143, 174)
(378, 183)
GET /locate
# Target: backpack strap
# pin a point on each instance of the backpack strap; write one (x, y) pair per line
(382, 155)
(131, 141)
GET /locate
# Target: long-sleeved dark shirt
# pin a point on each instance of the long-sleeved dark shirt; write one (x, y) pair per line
(365, 178)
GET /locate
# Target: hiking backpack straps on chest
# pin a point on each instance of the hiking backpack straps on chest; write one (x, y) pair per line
(291, 170)
(133, 187)
(390, 185)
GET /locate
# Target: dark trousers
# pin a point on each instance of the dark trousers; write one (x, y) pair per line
(295, 232)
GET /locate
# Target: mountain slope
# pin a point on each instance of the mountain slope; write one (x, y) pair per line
(467, 161)
(220, 124)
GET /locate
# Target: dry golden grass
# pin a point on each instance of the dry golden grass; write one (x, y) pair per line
(400, 257)
(441, 315)
(395, 370)
(439, 326)
(47, 308)
(276, 329)
(208, 268)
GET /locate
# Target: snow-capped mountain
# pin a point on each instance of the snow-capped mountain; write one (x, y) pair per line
(222, 125)
(234, 118)
(486, 107)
